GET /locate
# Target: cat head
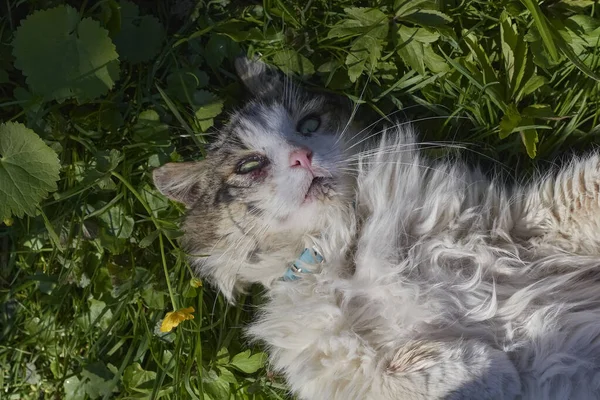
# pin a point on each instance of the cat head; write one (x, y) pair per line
(275, 173)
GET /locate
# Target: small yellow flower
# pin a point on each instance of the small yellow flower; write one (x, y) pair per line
(174, 318)
(196, 282)
(8, 221)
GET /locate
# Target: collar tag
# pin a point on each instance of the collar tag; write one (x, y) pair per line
(307, 257)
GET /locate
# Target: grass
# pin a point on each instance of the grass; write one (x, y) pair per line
(86, 280)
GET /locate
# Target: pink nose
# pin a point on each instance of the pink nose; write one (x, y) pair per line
(301, 158)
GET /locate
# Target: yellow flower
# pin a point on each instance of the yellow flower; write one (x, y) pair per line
(195, 283)
(174, 318)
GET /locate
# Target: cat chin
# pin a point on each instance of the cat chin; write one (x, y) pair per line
(307, 218)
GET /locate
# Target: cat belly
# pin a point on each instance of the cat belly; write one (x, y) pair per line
(342, 340)
(326, 352)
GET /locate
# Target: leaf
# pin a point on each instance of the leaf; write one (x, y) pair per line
(218, 48)
(412, 51)
(514, 52)
(490, 79)
(479, 54)
(98, 380)
(431, 18)
(425, 36)
(538, 111)
(578, 4)
(433, 61)
(153, 298)
(362, 20)
(74, 389)
(239, 31)
(141, 37)
(32, 377)
(174, 318)
(64, 56)
(214, 386)
(248, 363)
(189, 292)
(149, 129)
(154, 199)
(227, 376)
(510, 121)
(148, 239)
(107, 161)
(207, 106)
(290, 61)
(346, 28)
(183, 82)
(117, 221)
(134, 376)
(29, 170)
(329, 66)
(542, 25)
(409, 6)
(583, 29)
(530, 140)
(97, 313)
(110, 13)
(223, 356)
(365, 49)
(366, 16)
(570, 54)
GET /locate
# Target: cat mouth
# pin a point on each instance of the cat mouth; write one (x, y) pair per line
(320, 188)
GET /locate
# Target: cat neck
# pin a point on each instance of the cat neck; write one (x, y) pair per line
(240, 260)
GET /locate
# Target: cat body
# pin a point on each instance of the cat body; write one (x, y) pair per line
(437, 283)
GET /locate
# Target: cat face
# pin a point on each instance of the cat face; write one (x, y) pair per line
(276, 168)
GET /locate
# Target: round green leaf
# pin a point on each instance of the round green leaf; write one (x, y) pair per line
(64, 56)
(29, 170)
(141, 37)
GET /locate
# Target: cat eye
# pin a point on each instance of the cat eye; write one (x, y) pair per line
(250, 164)
(308, 125)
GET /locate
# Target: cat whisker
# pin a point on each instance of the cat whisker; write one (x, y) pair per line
(353, 113)
(424, 167)
(410, 147)
(386, 117)
(399, 125)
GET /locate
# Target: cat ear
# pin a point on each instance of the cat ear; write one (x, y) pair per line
(179, 181)
(260, 79)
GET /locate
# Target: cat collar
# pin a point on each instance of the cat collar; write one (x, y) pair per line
(307, 257)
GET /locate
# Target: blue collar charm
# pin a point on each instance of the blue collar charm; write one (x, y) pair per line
(307, 257)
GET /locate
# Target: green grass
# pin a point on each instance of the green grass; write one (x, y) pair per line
(86, 280)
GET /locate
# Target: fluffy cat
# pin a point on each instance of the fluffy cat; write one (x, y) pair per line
(437, 283)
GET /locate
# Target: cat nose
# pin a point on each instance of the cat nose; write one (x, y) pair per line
(301, 158)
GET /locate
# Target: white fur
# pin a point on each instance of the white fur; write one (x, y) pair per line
(459, 288)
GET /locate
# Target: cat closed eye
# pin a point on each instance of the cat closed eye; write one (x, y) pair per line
(250, 164)
(308, 125)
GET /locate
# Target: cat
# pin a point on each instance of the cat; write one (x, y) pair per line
(388, 275)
